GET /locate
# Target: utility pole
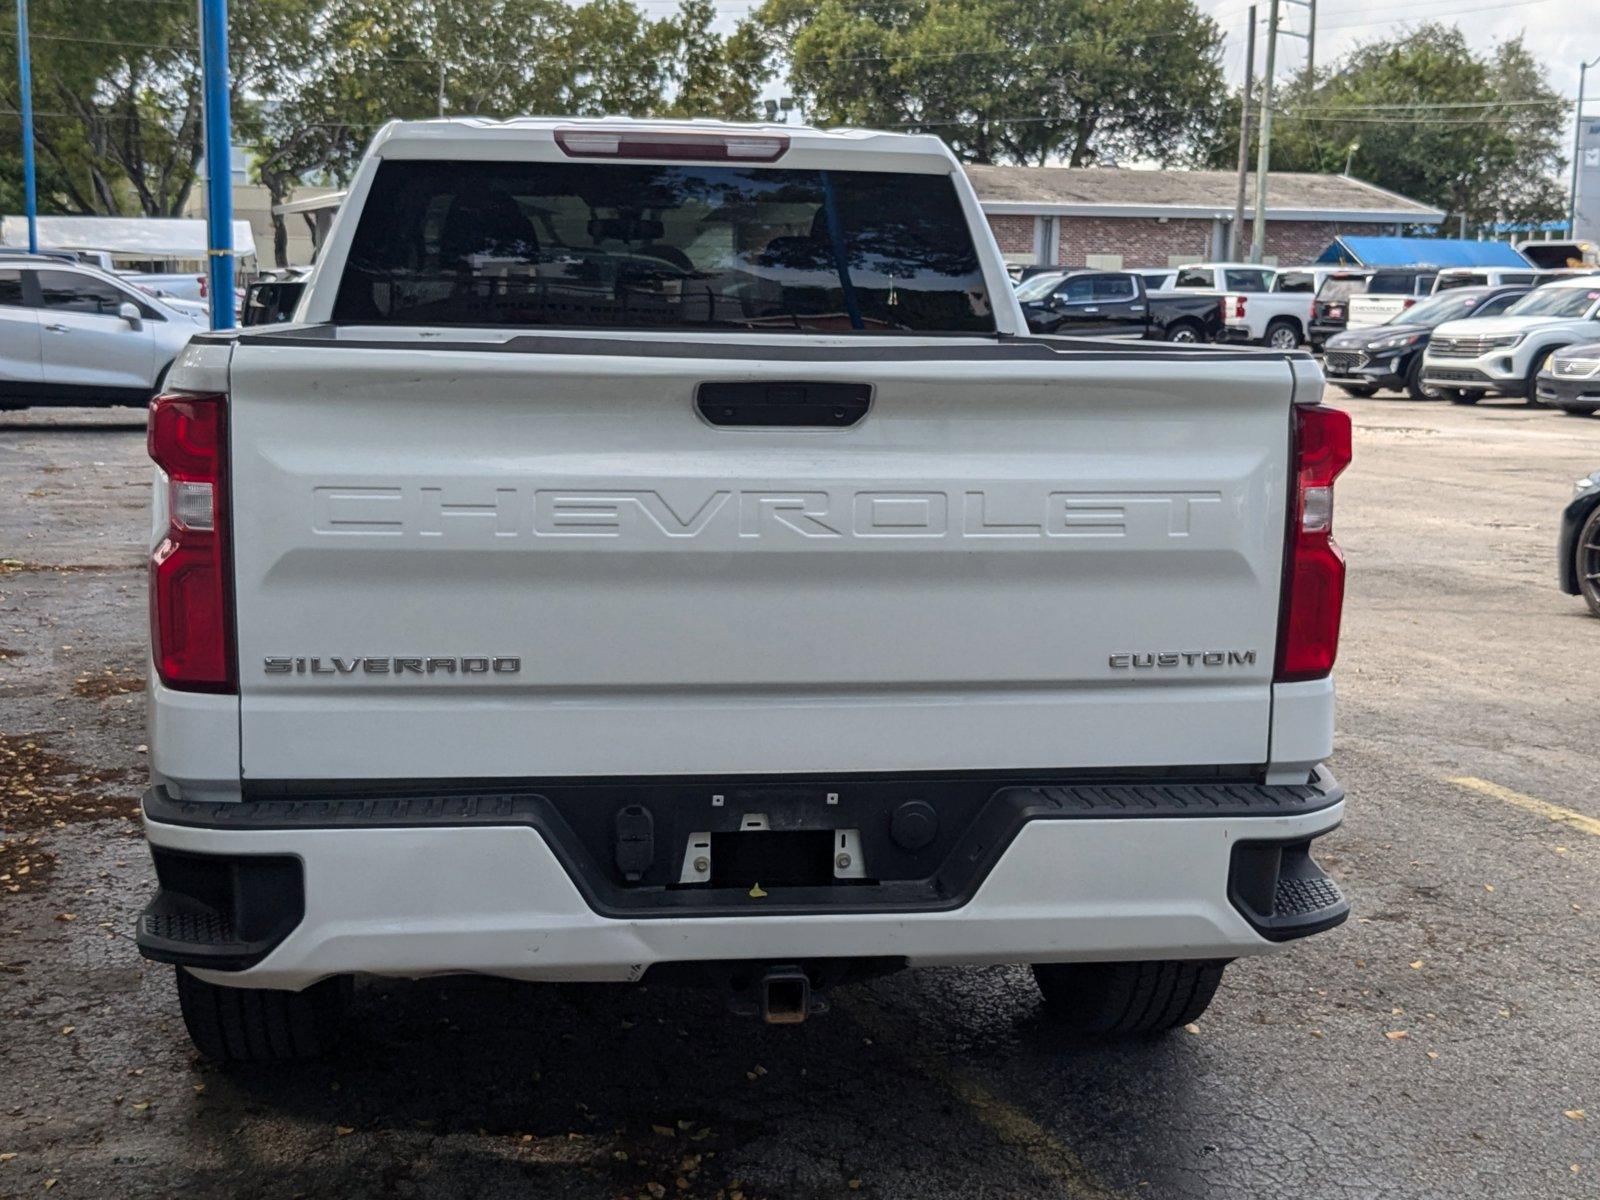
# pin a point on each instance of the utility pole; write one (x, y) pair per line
(219, 170)
(1258, 237)
(1578, 136)
(1311, 42)
(1236, 232)
(25, 84)
(441, 87)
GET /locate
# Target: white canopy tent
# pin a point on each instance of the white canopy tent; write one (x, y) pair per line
(141, 238)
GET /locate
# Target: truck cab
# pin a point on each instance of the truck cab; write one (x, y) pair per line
(1118, 304)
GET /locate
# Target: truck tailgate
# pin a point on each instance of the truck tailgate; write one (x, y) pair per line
(527, 560)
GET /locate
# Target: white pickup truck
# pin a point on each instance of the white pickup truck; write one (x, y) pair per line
(1279, 317)
(658, 551)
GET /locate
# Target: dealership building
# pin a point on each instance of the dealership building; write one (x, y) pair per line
(1113, 217)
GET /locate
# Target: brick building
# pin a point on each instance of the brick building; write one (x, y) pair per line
(1117, 217)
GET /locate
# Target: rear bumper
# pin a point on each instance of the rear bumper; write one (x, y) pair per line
(1185, 871)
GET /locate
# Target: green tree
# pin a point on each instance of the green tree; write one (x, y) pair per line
(714, 76)
(117, 96)
(1476, 135)
(1012, 80)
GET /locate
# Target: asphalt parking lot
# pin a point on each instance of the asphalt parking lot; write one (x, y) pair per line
(1444, 1043)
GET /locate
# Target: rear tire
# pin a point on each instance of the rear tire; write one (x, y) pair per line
(1127, 999)
(1588, 561)
(1186, 332)
(1360, 393)
(1282, 335)
(261, 1025)
(1530, 390)
(1579, 412)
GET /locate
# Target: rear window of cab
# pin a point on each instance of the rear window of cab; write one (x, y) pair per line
(638, 246)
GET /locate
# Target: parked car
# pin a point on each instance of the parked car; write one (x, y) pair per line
(1462, 277)
(73, 334)
(1330, 309)
(7, 253)
(1570, 380)
(1578, 550)
(1224, 277)
(1366, 361)
(909, 623)
(169, 285)
(270, 298)
(1280, 317)
(1387, 293)
(1115, 304)
(1503, 356)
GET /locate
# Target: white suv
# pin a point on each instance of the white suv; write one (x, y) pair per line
(71, 334)
(1502, 356)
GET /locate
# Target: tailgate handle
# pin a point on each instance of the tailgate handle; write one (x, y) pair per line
(797, 404)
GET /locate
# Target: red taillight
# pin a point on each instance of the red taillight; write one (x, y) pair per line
(1238, 308)
(1313, 578)
(672, 144)
(191, 625)
(1409, 301)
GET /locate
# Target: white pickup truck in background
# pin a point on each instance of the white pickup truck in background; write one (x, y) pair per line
(1388, 293)
(1280, 317)
(658, 551)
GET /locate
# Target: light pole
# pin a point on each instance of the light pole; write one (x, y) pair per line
(1236, 232)
(25, 84)
(1349, 157)
(219, 170)
(1258, 233)
(1577, 142)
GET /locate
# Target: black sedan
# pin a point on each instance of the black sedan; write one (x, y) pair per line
(1570, 380)
(1364, 361)
(1579, 555)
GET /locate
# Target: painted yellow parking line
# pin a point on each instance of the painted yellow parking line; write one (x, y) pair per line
(1015, 1128)
(1543, 808)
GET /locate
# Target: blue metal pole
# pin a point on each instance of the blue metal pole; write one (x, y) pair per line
(25, 80)
(219, 170)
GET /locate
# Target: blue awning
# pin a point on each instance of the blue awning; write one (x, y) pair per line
(1420, 252)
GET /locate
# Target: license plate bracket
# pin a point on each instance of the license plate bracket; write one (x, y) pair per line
(772, 858)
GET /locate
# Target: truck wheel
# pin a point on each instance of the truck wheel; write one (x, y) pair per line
(259, 1025)
(1183, 331)
(1360, 393)
(1588, 564)
(1415, 388)
(1127, 999)
(1530, 391)
(1282, 335)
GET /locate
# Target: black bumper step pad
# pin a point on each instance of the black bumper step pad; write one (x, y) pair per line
(224, 912)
